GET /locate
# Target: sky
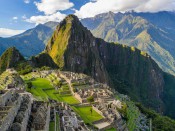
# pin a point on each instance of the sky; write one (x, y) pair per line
(16, 16)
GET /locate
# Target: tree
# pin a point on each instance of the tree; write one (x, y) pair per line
(29, 85)
(90, 99)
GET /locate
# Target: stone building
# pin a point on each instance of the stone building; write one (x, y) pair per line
(9, 109)
(40, 116)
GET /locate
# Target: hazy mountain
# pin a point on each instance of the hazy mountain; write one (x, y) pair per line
(150, 32)
(32, 41)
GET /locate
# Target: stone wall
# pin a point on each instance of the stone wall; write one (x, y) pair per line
(77, 96)
(26, 118)
(8, 120)
(46, 128)
(4, 97)
(98, 111)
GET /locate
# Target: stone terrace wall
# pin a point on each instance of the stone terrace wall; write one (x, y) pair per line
(8, 120)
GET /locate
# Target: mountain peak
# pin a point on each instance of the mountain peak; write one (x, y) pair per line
(72, 47)
(9, 58)
(71, 19)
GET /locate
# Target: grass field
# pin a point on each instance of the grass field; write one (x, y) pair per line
(86, 115)
(38, 85)
(42, 90)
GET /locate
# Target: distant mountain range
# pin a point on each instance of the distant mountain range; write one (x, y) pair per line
(32, 41)
(150, 32)
(72, 47)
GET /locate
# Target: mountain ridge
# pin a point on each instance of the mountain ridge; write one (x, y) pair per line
(125, 28)
(32, 41)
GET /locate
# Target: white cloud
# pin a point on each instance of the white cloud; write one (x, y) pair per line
(15, 18)
(52, 6)
(41, 19)
(24, 17)
(95, 7)
(27, 1)
(4, 32)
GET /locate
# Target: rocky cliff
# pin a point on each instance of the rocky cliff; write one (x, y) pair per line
(129, 70)
(133, 72)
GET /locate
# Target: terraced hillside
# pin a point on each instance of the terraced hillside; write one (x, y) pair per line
(47, 88)
(10, 78)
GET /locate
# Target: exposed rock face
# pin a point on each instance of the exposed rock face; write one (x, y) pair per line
(74, 48)
(133, 72)
(129, 70)
(10, 58)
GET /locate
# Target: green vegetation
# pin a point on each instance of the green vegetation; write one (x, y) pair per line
(38, 85)
(43, 61)
(111, 129)
(130, 113)
(10, 58)
(58, 43)
(42, 90)
(159, 123)
(57, 122)
(23, 67)
(90, 99)
(52, 126)
(133, 48)
(85, 114)
(143, 53)
(168, 95)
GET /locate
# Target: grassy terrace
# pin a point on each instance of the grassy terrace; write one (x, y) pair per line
(86, 115)
(132, 114)
(42, 90)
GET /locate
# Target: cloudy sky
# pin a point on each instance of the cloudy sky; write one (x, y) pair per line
(20, 15)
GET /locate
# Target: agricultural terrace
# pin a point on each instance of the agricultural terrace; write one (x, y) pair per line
(43, 90)
(86, 115)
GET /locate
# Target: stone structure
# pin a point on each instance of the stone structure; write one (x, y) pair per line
(9, 109)
(40, 116)
(21, 119)
(69, 120)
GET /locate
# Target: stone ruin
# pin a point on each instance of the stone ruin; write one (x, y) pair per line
(69, 120)
(18, 112)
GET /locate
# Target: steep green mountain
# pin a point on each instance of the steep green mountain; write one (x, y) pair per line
(10, 58)
(32, 41)
(74, 48)
(149, 32)
(42, 59)
(128, 70)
